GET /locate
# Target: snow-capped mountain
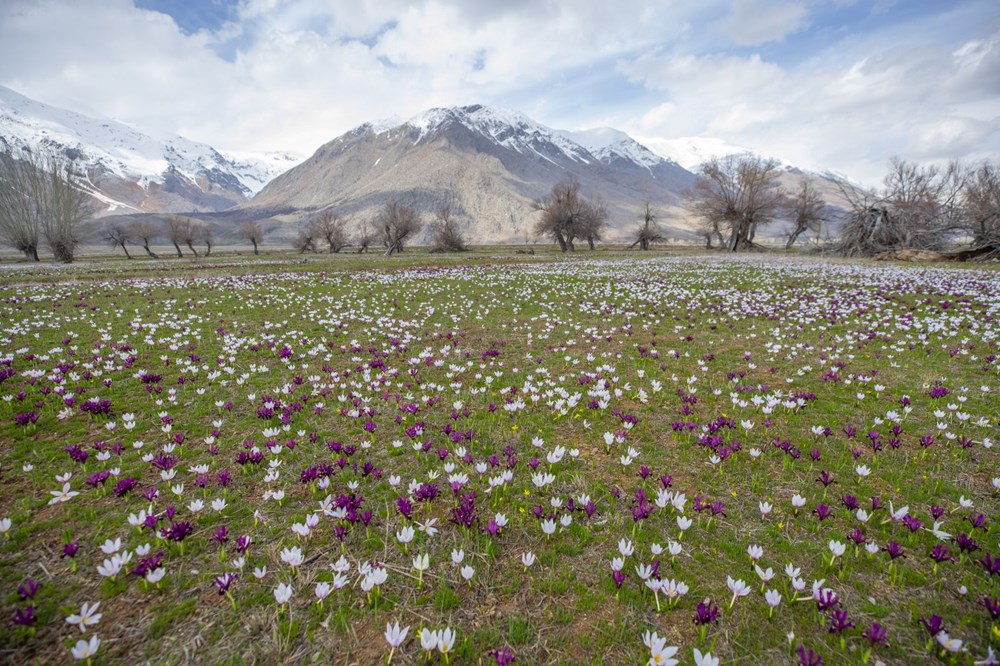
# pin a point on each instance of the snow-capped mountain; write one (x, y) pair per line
(490, 164)
(131, 171)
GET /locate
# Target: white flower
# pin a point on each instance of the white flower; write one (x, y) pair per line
(446, 640)
(765, 508)
(527, 559)
(468, 572)
(421, 562)
(428, 639)
(755, 552)
(764, 575)
(457, 556)
(110, 547)
(405, 535)
(282, 593)
(683, 522)
(85, 649)
(948, 643)
(4, 525)
(218, 504)
(773, 598)
(156, 575)
(259, 572)
(548, 527)
(625, 548)
(63, 495)
(862, 470)
(395, 636)
(292, 556)
(837, 548)
(88, 616)
(704, 659)
(322, 590)
(798, 501)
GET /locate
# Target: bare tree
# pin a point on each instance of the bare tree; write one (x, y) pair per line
(39, 200)
(177, 229)
(207, 236)
(190, 233)
(331, 228)
(981, 204)
(305, 241)
(807, 211)
(364, 238)
(397, 224)
(447, 235)
(737, 193)
(919, 208)
(144, 231)
(567, 216)
(252, 232)
(117, 235)
(648, 232)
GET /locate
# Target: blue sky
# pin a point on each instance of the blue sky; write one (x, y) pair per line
(827, 84)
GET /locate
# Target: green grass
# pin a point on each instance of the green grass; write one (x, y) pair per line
(433, 330)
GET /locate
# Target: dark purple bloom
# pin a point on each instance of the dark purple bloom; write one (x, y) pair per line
(857, 536)
(221, 535)
(706, 613)
(839, 621)
(618, 577)
(977, 521)
(894, 550)
(405, 507)
(808, 658)
(912, 523)
(826, 599)
(123, 487)
(69, 549)
(876, 635)
(993, 606)
(825, 478)
(24, 617)
(933, 624)
(991, 564)
(966, 544)
(223, 582)
(941, 554)
(27, 589)
(823, 511)
(177, 531)
(504, 656)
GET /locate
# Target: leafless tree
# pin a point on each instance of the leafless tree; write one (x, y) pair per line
(177, 228)
(919, 208)
(807, 212)
(305, 240)
(648, 232)
(447, 235)
(365, 237)
(252, 232)
(981, 204)
(39, 200)
(567, 216)
(206, 234)
(144, 231)
(191, 232)
(737, 193)
(331, 228)
(117, 235)
(397, 223)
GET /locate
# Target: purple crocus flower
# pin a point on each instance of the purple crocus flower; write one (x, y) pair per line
(504, 656)
(990, 564)
(69, 549)
(823, 511)
(808, 657)
(223, 582)
(706, 612)
(940, 553)
(876, 635)
(24, 617)
(894, 550)
(992, 606)
(933, 624)
(27, 589)
(839, 622)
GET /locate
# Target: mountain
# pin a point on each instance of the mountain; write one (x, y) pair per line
(490, 164)
(129, 171)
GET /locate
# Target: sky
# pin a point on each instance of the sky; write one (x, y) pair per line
(838, 85)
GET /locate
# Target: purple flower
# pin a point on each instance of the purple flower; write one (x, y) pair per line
(27, 589)
(618, 577)
(941, 554)
(823, 511)
(706, 612)
(221, 535)
(991, 564)
(894, 550)
(839, 621)
(69, 549)
(223, 582)
(825, 478)
(966, 544)
(993, 606)
(933, 624)
(876, 635)
(826, 599)
(177, 531)
(504, 656)
(24, 617)
(808, 658)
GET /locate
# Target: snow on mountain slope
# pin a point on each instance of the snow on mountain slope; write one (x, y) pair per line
(690, 151)
(130, 169)
(607, 143)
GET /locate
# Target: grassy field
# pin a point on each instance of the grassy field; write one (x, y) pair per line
(265, 460)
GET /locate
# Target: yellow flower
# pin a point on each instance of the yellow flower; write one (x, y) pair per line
(781, 525)
(527, 493)
(514, 427)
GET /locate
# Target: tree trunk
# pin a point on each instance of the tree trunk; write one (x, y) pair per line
(191, 247)
(178, 248)
(126, 251)
(145, 246)
(254, 241)
(590, 242)
(794, 237)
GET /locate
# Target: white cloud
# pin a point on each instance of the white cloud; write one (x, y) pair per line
(755, 22)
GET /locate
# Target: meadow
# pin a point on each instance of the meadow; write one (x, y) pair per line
(493, 460)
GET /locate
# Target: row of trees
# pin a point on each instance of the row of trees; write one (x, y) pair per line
(40, 204)
(918, 207)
